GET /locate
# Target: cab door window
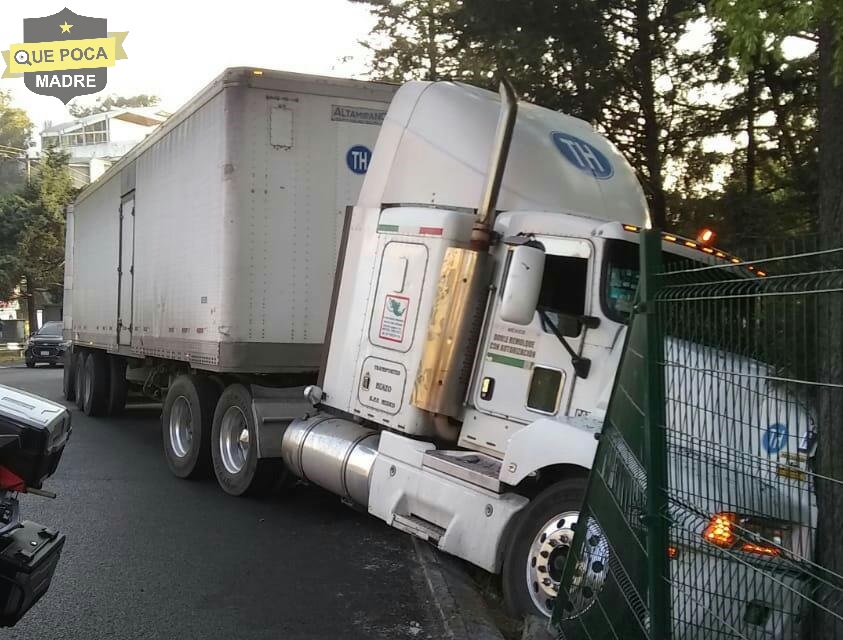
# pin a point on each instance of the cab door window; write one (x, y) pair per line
(563, 292)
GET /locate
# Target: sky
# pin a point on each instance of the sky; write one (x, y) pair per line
(176, 48)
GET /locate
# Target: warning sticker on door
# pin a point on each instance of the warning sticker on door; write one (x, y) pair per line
(513, 346)
(394, 318)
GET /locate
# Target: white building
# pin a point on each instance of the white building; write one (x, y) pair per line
(97, 141)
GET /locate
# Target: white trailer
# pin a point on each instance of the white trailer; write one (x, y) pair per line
(213, 241)
(474, 328)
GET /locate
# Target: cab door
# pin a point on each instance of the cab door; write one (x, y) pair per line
(526, 372)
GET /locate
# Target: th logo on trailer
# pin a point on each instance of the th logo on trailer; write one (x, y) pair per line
(582, 155)
(358, 159)
(775, 439)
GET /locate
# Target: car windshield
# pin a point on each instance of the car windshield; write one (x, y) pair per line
(51, 329)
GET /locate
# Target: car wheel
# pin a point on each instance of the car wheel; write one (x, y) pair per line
(30, 364)
(186, 425)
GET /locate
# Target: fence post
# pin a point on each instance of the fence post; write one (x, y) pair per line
(655, 441)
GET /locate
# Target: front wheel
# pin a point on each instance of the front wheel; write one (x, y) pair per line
(30, 364)
(234, 450)
(535, 555)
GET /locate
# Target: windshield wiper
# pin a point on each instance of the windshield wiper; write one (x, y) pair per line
(581, 365)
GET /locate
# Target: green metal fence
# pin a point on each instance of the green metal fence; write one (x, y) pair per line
(715, 505)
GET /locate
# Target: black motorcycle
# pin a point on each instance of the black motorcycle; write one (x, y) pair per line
(33, 434)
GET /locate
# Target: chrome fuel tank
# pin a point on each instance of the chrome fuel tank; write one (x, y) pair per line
(331, 452)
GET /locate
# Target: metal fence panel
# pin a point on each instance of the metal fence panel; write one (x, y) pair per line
(752, 425)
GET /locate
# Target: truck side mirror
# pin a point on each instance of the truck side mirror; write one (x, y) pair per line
(522, 284)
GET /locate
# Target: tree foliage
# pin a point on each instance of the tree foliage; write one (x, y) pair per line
(419, 40)
(101, 105)
(15, 132)
(32, 226)
(636, 70)
(15, 125)
(756, 35)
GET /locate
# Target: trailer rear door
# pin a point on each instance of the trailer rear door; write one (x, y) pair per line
(126, 271)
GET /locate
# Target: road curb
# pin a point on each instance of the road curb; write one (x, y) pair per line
(458, 603)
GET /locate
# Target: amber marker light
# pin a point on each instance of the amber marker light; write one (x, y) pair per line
(705, 236)
(759, 549)
(719, 530)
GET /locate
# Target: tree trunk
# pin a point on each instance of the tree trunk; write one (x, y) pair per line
(430, 40)
(785, 133)
(652, 152)
(829, 460)
(31, 311)
(751, 142)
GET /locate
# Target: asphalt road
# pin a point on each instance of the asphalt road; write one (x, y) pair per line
(154, 557)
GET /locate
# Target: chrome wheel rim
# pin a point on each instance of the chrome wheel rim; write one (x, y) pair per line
(546, 561)
(234, 440)
(181, 427)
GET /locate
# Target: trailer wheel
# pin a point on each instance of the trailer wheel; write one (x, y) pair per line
(536, 550)
(81, 380)
(186, 425)
(69, 376)
(118, 386)
(234, 451)
(95, 402)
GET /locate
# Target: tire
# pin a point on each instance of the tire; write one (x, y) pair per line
(30, 364)
(524, 593)
(69, 376)
(118, 386)
(237, 467)
(81, 379)
(186, 425)
(95, 401)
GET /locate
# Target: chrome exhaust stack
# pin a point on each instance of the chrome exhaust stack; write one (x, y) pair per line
(455, 322)
(481, 233)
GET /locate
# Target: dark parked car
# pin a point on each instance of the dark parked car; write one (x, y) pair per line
(45, 345)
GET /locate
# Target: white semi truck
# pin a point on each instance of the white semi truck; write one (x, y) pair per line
(440, 354)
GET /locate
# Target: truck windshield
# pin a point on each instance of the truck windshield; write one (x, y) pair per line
(621, 273)
(620, 279)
